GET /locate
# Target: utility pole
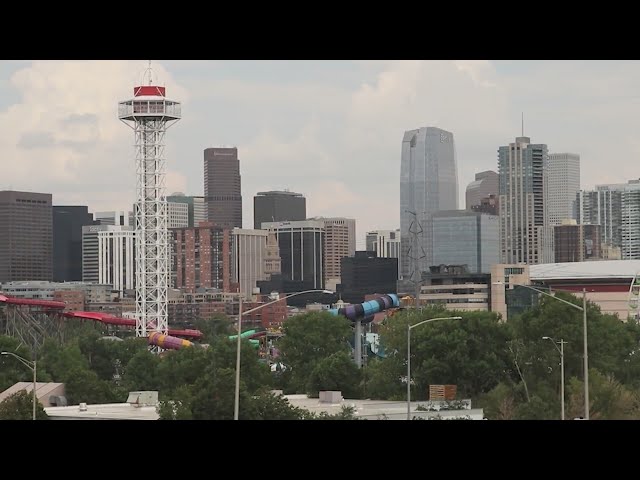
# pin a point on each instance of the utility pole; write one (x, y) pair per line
(416, 254)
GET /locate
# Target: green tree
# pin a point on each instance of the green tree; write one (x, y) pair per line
(608, 398)
(83, 385)
(141, 373)
(218, 325)
(308, 339)
(268, 406)
(336, 372)
(19, 406)
(469, 352)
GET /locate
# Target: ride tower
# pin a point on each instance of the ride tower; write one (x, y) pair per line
(149, 113)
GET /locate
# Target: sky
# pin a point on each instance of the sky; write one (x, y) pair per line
(331, 130)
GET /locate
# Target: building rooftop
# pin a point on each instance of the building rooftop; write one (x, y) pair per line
(43, 390)
(595, 269)
(379, 409)
(279, 192)
(108, 411)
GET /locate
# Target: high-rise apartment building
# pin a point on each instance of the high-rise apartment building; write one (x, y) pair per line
(278, 207)
(108, 256)
(564, 183)
(616, 208)
(525, 234)
(428, 183)
(301, 251)
(576, 243)
(26, 236)
(67, 241)
(249, 249)
(222, 187)
(202, 257)
(386, 244)
(463, 237)
(484, 185)
(339, 242)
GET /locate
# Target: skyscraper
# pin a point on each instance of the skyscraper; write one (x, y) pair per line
(485, 185)
(564, 184)
(525, 235)
(278, 207)
(67, 241)
(428, 183)
(222, 187)
(26, 236)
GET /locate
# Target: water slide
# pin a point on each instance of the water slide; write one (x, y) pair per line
(365, 311)
(251, 335)
(170, 341)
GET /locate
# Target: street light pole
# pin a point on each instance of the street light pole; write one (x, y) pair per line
(582, 308)
(32, 366)
(236, 403)
(586, 354)
(561, 350)
(409, 328)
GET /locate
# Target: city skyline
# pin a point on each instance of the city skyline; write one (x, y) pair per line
(313, 127)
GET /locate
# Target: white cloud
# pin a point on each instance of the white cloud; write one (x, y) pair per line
(64, 135)
(332, 132)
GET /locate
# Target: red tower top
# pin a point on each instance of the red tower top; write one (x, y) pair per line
(149, 90)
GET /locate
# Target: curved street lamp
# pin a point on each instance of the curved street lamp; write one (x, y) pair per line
(32, 367)
(561, 351)
(236, 405)
(583, 309)
(409, 328)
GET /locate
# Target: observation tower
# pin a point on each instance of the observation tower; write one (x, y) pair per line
(149, 114)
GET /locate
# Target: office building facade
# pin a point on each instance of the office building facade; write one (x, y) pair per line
(249, 251)
(26, 236)
(576, 243)
(463, 237)
(339, 242)
(301, 247)
(564, 184)
(222, 187)
(108, 256)
(67, 241)
(196, 208)
(365, 273)
(386, 244)
(428, 183)
(484, 185)
(525, 233)
(278, 206)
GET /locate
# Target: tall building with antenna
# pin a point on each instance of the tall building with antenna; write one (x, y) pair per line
(149, 114)
(428, 183)
(525, 233)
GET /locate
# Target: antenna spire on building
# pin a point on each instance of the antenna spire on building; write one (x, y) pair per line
(523, 124)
